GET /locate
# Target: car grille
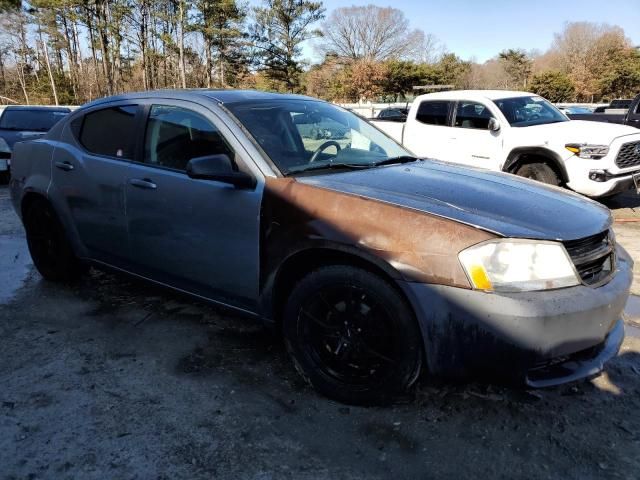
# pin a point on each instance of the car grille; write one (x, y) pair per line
(593, 257)
(628, 156)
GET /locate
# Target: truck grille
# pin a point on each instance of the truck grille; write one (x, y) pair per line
(628, 156)
(593, 257)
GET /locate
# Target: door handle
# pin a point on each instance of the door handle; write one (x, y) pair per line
(66, 166)
(143, 183)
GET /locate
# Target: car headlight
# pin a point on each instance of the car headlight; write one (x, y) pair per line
(518, 266)
(591, 152)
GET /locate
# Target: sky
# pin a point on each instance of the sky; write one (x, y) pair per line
(480, 29)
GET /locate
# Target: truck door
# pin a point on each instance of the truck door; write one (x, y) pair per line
(472, 143)
(427, 131)
(633, 117)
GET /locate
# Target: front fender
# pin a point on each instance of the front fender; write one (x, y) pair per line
(515, 156)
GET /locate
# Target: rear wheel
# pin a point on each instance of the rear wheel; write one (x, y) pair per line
(352, 336)
(48, 244)
(541, 172)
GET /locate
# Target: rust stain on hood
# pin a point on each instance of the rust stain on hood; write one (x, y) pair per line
(418, 246)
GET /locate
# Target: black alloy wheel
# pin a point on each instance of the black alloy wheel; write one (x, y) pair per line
(352, 336)
(49, 247)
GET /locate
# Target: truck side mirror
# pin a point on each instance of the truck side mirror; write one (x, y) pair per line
(493, 126)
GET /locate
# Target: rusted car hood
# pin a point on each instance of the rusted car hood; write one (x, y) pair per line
(497, 202)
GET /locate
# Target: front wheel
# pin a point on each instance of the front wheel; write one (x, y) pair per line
(540, 172)
(352, 336)
(49, 247)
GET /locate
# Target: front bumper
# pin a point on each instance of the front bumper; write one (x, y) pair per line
(612, 178)
(537, 338)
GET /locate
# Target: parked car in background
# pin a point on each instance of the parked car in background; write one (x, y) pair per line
(373, 264)
(624, 112)
(524, 134)
(575, 110)
(393, 114)
(20, 123)
(5, 161)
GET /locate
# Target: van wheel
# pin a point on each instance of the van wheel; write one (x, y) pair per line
(352, 336)
(540, 172)
(48, 244)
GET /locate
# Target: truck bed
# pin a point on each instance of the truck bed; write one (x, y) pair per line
(392, 128)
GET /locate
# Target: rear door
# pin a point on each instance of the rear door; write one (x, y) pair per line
(472, 143)
(88, 178)
(427, 131)
(198, 235)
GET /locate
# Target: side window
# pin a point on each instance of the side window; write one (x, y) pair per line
(110, 131)
(175, 135)
(472, 115)
(433, 112)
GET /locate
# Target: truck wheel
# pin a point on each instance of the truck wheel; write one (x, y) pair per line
(540, 172)
(352, 336)
(48, 244)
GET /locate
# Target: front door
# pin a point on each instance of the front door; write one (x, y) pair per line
(472, 142)
(198, 235)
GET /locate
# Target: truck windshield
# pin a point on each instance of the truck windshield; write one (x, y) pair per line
(300, 135)
(31, 120)
(528, 111)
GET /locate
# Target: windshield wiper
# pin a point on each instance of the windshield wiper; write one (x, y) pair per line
(323, 166)
(394, 160)
(356, 166)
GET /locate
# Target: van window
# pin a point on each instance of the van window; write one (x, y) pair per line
(472, 115)
(110, 131)
(175, 135)
(433, 112)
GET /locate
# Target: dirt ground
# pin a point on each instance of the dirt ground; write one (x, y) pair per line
(114, 379)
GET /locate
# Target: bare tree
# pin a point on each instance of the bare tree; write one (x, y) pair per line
(371, 33)
(583, 50)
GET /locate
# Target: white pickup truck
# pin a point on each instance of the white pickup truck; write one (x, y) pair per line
(524, 134)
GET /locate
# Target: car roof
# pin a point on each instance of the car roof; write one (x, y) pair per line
(36, 108)
(224, 96)
(474, 95)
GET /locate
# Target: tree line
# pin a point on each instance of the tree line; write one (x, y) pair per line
(72, 51)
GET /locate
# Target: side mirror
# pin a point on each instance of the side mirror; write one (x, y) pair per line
(493, 126)
(220, 169)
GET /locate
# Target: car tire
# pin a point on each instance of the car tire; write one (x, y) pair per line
(352, 336)
(48, 244)
(541, 172)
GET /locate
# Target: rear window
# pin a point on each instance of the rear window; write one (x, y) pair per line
(433, 112)
(31, 120)
(110, 131)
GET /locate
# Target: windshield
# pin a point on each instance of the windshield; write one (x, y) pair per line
(301, 135)
(528, 111)
(30, 120)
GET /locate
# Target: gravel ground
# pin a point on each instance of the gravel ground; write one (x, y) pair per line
(116, 379)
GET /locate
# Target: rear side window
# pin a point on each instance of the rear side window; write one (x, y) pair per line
(433, 112)
(110, 131)
(175, 135)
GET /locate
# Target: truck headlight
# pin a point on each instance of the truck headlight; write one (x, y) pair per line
(518, 266)
(591, 152)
